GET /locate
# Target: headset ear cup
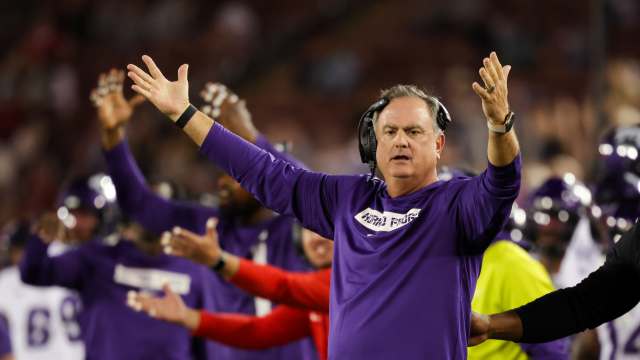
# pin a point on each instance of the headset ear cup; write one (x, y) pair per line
(367, 142)
(443, 118)
(363, 139)
(373, 144)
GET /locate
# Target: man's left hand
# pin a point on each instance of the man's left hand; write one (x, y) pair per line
(495, 104)
(201, 249)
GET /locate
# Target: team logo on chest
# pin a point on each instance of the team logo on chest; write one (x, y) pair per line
(152, 279)
(385, 221)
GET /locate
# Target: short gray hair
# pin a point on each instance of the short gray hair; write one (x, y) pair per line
(402, 90)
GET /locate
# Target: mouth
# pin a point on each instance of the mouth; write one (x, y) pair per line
(400, 158)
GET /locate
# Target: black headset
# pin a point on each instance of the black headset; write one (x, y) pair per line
(367, 142)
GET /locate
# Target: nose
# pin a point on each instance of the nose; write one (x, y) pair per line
(401, 140)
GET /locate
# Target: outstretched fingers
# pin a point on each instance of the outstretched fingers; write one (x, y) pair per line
(153, 68)
(481, 91)
(140, 74)
(496, 65)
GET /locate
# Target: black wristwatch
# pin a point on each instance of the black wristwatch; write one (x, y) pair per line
(217, 267)
(503, 128)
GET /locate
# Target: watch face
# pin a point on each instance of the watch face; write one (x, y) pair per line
(511, 117)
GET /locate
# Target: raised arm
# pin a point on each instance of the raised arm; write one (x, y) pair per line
(485, 201)
(136, 199)
(142, 204)
(309, 291)
(281, 326)
(39, 269)
(277, 184)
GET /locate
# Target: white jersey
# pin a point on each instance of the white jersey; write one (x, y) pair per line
(620, 339)
(42, 321)
(583, 256)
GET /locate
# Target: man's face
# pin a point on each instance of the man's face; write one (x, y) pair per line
(318, 250)
(85, 226)
(235, 200)
(408, 147)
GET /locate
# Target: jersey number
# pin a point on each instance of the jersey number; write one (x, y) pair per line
(39, 323)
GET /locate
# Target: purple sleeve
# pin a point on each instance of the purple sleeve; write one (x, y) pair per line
(552, 350)
(140, 203)
(39, 269)
(5, 340)
(484, 202)
(264, 144)
(277, 184)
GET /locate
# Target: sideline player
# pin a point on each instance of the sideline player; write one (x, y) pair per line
(102, 272)
(42, 323)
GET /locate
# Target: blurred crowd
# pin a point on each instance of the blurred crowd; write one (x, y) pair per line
(307, 70)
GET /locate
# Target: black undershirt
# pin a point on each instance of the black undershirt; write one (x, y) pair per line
(604, 295)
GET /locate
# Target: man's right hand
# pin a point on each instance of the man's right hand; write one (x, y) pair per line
(113, 109)
(479, 329)
(170, 97)
(201, 249)
(170, 308)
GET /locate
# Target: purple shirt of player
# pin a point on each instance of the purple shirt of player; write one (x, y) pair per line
(405, 268)
(5, 340)
(157, 214)
(103, 275)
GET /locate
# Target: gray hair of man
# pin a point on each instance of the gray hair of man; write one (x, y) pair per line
(402, 90)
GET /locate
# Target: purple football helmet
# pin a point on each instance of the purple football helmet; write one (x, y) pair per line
(95, 195)
(617, 189)
(553, 211)
(619, 170)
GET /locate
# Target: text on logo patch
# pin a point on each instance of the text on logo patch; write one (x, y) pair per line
(385, 221)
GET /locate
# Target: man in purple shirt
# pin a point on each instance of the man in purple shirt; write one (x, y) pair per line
(102, 272)
(407, 249)
(246, 228)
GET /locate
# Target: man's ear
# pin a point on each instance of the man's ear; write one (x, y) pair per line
(439, 144)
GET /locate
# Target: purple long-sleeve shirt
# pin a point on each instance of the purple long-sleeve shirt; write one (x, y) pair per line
(103, 275)
(405, 268)
(5, 341)
(157, 214)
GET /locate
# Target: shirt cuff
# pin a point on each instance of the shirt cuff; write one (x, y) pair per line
(202, 324)
(507, 172)
(503, 181)
(209, 140)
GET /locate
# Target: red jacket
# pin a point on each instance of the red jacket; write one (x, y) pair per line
(304, 310)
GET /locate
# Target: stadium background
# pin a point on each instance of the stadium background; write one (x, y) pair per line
(307, 70)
